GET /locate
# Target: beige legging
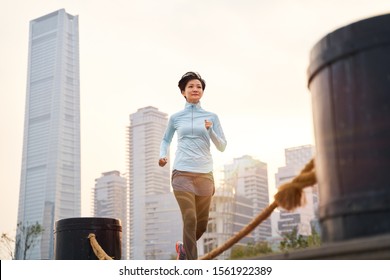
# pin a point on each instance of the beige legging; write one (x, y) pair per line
(195, 214)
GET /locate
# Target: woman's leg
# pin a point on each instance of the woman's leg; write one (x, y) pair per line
(186, 201)
(202, 214)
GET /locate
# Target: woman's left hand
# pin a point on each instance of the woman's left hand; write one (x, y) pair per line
(208, 124)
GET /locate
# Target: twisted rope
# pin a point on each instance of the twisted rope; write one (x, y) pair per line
(97, 249)
(289, 196)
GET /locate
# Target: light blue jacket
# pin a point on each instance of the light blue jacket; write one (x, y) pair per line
(193, 139)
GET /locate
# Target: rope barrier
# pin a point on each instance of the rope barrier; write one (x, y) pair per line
(289, 196)
(97, 249)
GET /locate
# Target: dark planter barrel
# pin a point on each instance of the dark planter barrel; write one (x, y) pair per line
(72, 243)
(349, 80)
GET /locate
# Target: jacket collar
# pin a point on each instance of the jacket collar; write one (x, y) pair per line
(189, 105)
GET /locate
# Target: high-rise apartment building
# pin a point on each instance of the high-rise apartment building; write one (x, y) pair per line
(163, 226)
(110, 201)
(303, 217)
(146, 177)
(229, 213)
(50, 173)
(249, 178)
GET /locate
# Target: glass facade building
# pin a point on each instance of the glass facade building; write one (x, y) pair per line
(50, 173)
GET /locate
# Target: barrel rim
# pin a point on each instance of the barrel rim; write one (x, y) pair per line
(326, 52)
(89, 220)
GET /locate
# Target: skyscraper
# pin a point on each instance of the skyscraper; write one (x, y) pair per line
(163, 226)
(110, 201)
(249, 178)
(146, 178)
(50, 173)
(303, 217)
(229, 213)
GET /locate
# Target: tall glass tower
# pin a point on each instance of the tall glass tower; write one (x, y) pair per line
(50, 173)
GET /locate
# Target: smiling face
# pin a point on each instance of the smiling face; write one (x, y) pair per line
(193, 91)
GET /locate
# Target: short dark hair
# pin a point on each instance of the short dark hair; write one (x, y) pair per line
(188, 77)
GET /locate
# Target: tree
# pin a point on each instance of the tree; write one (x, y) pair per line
(314, 240)
(293, 240)
(238, 252)
(7, 246)
(263, 248)
(26, 238)
(250, 250)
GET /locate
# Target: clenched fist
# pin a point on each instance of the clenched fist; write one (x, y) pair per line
(162, 161)
(208, 124)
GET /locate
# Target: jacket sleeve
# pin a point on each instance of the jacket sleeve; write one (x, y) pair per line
(217, 135)
(167, 139)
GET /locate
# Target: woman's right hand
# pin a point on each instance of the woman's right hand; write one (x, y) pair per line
(162, 161)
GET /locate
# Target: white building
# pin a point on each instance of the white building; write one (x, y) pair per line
(249, 179)
(302, 217)
(163, 226)
(50, 173)
(233, 206)
(221, 221)
(110, 201)
(146, 177)
(275, 218)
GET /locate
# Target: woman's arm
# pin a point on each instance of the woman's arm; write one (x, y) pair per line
(166, 142)
(217, 135)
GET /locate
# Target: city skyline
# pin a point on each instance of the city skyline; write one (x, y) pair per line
(253, 57)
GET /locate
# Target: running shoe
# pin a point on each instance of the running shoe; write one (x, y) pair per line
(181, 254)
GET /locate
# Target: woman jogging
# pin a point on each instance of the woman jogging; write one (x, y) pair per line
(192, 175)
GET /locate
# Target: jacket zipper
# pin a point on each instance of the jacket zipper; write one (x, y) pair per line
(192, 123)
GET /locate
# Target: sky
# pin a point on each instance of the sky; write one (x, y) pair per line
(253, 54)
